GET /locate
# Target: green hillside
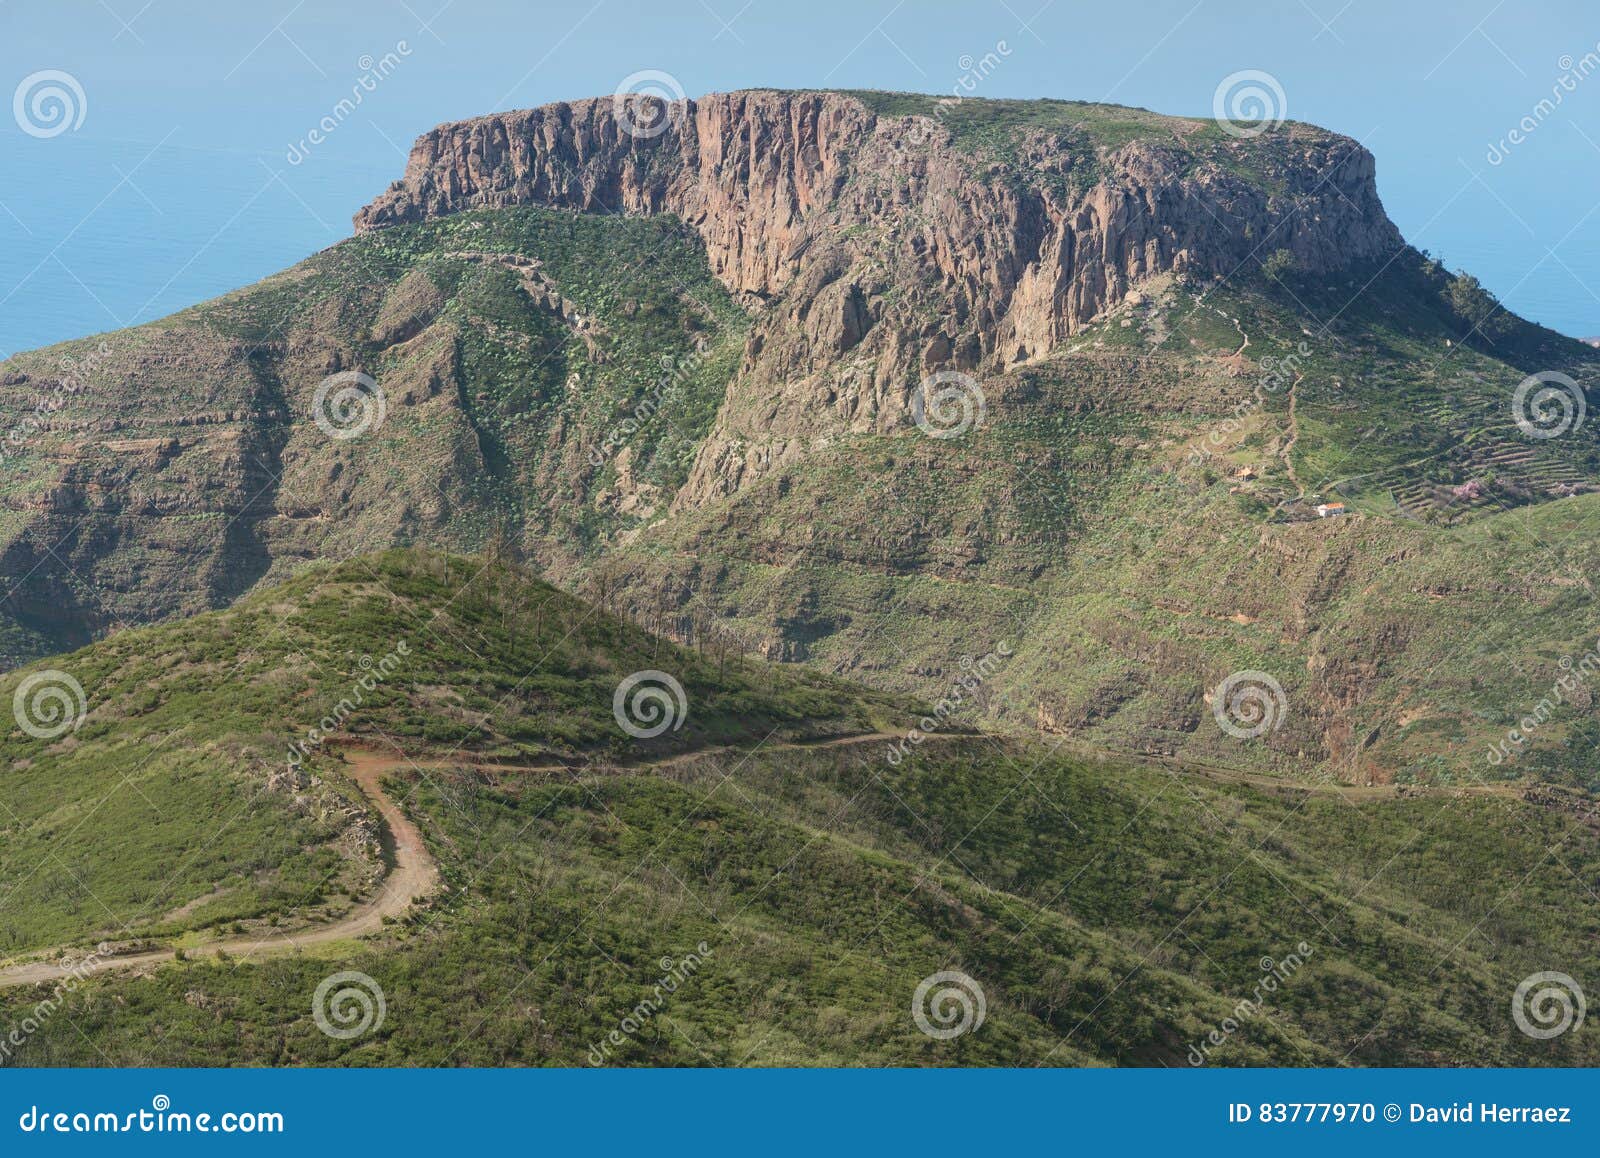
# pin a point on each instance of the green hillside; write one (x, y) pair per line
(174, 804)
(182, 463)
(1134, 518)
(1111, 913)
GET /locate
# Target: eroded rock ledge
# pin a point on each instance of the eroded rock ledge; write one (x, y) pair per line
(1029, 249)
(877, 248)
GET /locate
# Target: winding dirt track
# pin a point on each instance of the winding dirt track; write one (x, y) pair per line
(1287, 451)
(414, 874)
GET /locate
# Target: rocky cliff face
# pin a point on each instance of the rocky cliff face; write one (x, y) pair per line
(880, 248)
(762, 176)
(674, 371)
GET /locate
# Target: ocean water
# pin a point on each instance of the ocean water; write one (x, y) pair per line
(98, 235)
(1557, 287)
(175, 185)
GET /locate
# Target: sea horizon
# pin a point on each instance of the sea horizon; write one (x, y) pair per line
(137, 230)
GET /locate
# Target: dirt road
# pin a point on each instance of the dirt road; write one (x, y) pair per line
(413, 875)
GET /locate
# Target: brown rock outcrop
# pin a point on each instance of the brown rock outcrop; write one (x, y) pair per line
(836, 220)
(767, 178)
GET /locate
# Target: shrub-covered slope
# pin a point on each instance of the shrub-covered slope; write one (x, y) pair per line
(680, 375)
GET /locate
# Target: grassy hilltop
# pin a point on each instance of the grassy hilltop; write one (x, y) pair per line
(1111, 913)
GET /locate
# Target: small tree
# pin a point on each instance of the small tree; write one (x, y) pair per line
(1278, 264)
(1477, 307)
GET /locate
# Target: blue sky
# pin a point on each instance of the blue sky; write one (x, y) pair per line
(176, 185)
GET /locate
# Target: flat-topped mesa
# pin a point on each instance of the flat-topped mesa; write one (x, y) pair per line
(1025, 241)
